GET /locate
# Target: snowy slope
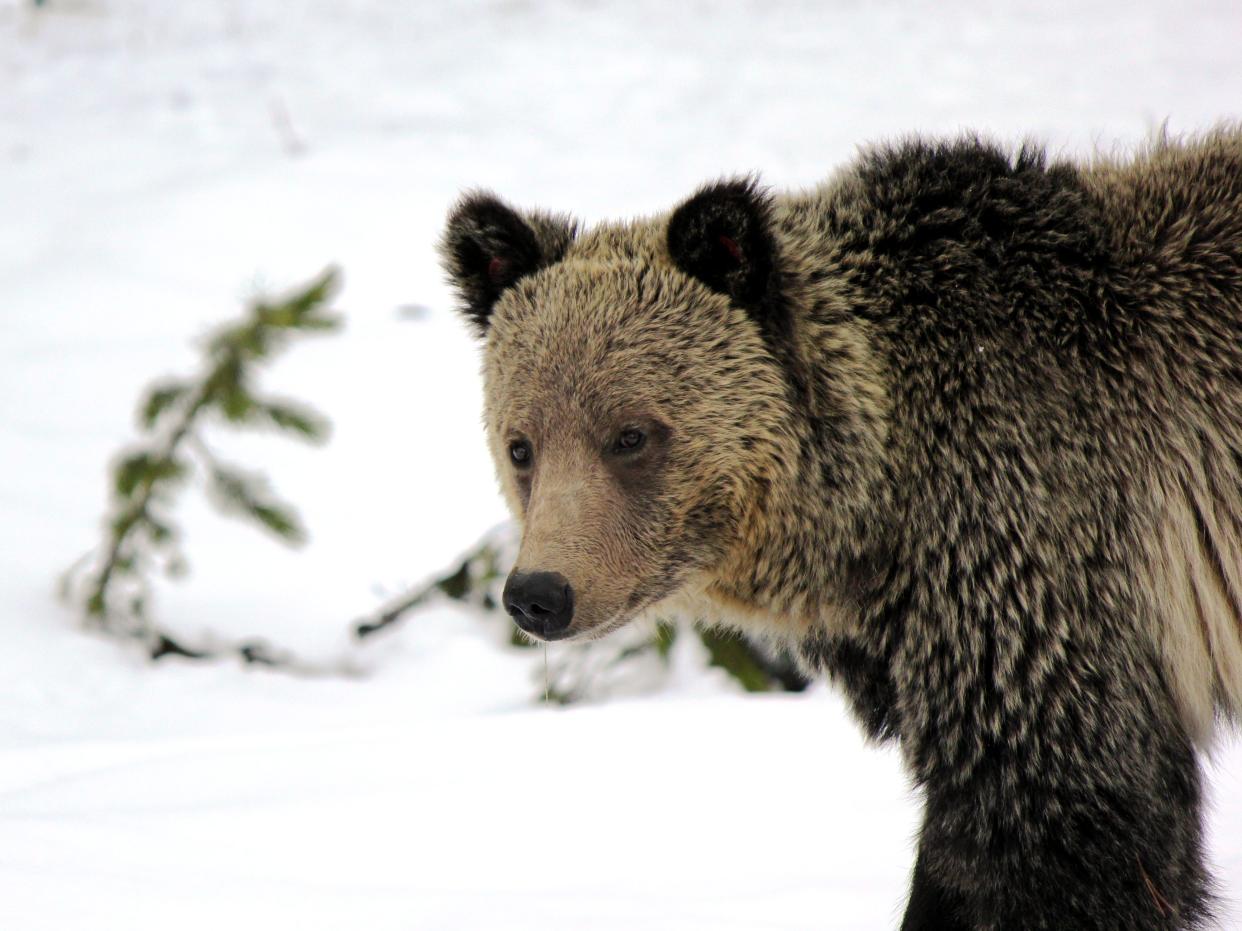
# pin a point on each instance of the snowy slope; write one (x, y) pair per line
(161, 161)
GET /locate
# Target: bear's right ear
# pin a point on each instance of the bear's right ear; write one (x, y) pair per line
(488, 246)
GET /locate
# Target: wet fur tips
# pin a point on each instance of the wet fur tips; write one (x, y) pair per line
(964, 427)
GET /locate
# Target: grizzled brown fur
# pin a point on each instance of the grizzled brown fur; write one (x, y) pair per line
(966, 428)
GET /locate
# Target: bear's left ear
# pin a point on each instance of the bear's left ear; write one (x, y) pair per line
(488, 247)
(722, 236)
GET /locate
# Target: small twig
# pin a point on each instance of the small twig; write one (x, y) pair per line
(393, 611)
(165, 646)
(476, 573)
(139, 506)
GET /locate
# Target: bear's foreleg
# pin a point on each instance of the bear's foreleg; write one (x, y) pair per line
(932, 905)
(1099, 836)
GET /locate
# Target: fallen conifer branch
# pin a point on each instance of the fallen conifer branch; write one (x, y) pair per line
(110, 584)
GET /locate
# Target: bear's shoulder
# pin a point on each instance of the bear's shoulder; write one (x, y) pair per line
(962, 232)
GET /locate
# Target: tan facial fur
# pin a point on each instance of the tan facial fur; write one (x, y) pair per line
(586, 350)
(741, 506)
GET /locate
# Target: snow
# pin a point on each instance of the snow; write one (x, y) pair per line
(162, 162)
(643, 814)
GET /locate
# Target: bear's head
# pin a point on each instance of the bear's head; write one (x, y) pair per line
(636, 409)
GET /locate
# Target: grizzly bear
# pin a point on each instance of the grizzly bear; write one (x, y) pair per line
(963, 426)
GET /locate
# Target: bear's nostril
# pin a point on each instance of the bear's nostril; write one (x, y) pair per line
(541, 603)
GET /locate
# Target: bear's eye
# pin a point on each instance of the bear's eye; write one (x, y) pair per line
(629, 440)
(520, 453)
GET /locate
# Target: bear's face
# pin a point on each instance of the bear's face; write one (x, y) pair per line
(631, 409)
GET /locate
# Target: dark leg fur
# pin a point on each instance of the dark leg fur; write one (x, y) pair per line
(932, 907)
(1049, 851)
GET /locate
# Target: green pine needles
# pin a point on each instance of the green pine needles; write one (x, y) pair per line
(110, 584)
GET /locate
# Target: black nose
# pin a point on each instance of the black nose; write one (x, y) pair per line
(542, 603)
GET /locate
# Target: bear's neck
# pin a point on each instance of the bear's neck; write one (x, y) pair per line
(819, 520)
(782, 578)
(805, 553)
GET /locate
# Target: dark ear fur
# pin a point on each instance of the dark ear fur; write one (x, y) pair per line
(488, 246)
(722, 236)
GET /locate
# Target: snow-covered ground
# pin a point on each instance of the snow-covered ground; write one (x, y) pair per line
(159, 163)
